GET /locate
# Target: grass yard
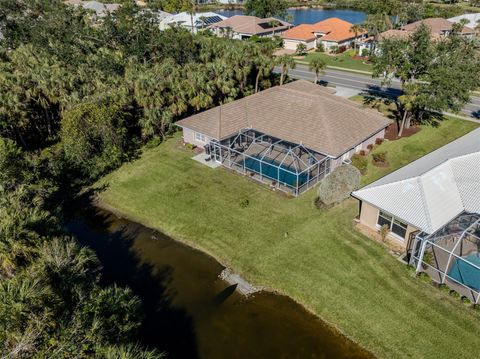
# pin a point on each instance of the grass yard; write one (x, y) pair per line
(316, 257)
(406, 150)
(343, 60)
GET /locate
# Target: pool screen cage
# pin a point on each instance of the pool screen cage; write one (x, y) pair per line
(451, 255)
(283, 165)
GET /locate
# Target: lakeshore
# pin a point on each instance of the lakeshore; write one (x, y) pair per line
(315, 257)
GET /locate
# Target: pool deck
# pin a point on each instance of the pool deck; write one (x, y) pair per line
(202, 158)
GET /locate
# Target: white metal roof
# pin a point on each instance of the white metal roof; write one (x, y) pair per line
(430, 192)
(199, 19)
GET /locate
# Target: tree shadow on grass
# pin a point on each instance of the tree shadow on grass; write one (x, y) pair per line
(385, 101)
(164, 327)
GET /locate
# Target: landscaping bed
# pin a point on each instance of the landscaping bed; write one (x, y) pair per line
(316, 257)
(391, 132)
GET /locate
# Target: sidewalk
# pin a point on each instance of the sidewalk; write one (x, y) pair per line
(346, 69)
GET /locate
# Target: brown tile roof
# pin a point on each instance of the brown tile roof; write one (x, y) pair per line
(335, 29)
(397, 35)
(437, 26)
(251, 24)
(300, 112)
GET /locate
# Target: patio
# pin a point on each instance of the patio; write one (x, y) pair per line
(282, 165)
(451, 255)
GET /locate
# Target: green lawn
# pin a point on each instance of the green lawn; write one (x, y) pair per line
(405, 150)
(343, 60)
(315, 256)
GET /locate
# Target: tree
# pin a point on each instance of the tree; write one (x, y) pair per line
(318, 66)
(356, 29)
(286, 62)
(94, 135)
(301, 49)
(266, 8)
(435, 75)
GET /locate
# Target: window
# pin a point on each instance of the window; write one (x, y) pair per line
(199, 137)
(396, 227)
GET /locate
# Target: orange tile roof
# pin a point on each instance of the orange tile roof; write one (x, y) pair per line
(335, 29)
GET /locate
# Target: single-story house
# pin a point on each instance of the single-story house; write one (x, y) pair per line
(243, 27)
(438, 26)
(427, 193)
(192, 22)
(333, 32)
(431, 208)
(290, 135)
(473, 20)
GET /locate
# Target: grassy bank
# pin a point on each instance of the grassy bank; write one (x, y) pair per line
(315, 256)
(344, 60)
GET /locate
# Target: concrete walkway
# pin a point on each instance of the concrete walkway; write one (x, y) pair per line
(202, 158)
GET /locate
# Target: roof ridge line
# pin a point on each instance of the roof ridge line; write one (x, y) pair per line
(425, 205)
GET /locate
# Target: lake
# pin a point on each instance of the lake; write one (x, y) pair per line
(190, 311)
(311, 16)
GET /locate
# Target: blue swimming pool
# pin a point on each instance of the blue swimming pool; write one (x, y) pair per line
(466, 273)
(269, 168)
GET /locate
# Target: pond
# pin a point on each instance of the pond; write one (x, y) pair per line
(311, 16)
(190, 312)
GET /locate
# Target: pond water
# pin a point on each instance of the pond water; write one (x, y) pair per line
(311, 16)
(190, 312)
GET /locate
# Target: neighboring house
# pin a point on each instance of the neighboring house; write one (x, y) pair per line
(438, 26)
(332, 33)
(243, 27)
(100, 9)
(289, 136)
(427, 193)
(473, 20)
(184, 19)
(432, 206)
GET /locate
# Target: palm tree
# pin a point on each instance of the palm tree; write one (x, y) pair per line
(317, 65)
(356, 28)
(286, 62)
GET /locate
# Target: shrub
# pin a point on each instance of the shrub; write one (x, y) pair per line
(360, 163)
(320, 47)
(341, 49)
(365, 52)
(244, 203)
(190, 146)
(334, 49)
(339, 184)
(370, 147)
(362, 153)
(384, 231)
(301, 49)
(378, 141)
(379, 157)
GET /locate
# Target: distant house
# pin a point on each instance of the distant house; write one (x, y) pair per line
(431, 208)
(438, 26)
(288, 136)
(333, 32)
(243, 27)
(473, 20)
(100, 9)
(192, 22)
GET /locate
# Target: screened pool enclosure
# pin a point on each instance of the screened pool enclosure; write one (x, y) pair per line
(286, 166)
(451, 255)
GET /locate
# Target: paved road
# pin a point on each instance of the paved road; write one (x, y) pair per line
(365, 83)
